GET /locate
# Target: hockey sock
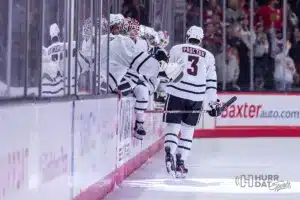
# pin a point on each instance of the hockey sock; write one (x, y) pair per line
(141, 94)
(171, 136)
(185, 141)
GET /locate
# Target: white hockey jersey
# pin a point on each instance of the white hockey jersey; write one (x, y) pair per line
(199, 73)
(141, 45)
(55, 70)
(121, 53)
(143, 67)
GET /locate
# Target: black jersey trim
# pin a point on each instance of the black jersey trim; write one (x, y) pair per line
(135, 59)
(141, 64)
(191, 84)
(183, 90)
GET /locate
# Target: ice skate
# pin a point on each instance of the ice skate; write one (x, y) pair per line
(181, 171)
(170, 165)
(139, 131)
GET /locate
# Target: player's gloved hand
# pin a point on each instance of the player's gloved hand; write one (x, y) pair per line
(162, 66)
(215, 108)
(172, 70)
(159, 54)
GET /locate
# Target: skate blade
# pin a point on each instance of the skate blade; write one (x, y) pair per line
(180, 175)
(137, 136)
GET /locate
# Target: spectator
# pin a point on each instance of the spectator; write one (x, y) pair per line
(260, 50)
(234, 13)
(234, 40)
(212, 9)
(284, 72)
(210, 42)
(297, 10)
(295, 49)
(144, 17)
(129, 9)
(292, 17)
(229, 73)
(193, 14)
(271, 15)
(247, 36)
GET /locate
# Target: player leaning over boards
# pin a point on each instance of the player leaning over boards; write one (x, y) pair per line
(188, 94)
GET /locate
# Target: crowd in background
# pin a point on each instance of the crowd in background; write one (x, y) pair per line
(273, 69)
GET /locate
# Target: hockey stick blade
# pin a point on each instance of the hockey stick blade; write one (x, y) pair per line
(224, 106)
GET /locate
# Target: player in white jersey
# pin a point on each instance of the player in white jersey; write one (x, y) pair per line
(54, 54)
(137, 79)
(188, 94)
(54, 61)
(141, 76)
(86, 54)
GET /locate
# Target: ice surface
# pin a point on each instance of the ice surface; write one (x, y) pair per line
(213, 166)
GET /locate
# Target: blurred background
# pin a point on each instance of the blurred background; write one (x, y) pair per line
(256, 42)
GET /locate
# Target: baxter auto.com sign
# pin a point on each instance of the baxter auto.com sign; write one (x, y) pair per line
(261, 110)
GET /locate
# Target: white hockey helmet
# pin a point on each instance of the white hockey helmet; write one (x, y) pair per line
(115, 23)
(195, 32)
(131, 28)
(115, 19)
(54, 30)
(151, 36)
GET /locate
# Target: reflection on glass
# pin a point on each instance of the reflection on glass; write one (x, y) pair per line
(54, 49)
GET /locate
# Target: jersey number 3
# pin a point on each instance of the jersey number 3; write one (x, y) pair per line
(193, 68)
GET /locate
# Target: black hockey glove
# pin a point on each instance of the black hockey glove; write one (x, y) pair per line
(159, 54)
(215, 109)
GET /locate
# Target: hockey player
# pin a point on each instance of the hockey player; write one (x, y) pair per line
(86, 55)
(141, 76)
(188, 94)
(141, 85)
(54, 61)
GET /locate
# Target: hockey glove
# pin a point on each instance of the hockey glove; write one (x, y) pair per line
(215, 109)
(159, 54)
(173, 70)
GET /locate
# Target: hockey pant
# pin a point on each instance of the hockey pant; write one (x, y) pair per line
(124, 87)
(180, 144)
(141, 93)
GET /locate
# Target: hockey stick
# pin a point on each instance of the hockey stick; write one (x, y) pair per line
(224, 106)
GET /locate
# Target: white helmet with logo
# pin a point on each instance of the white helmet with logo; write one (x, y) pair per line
(115, 19)
(195, 32)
